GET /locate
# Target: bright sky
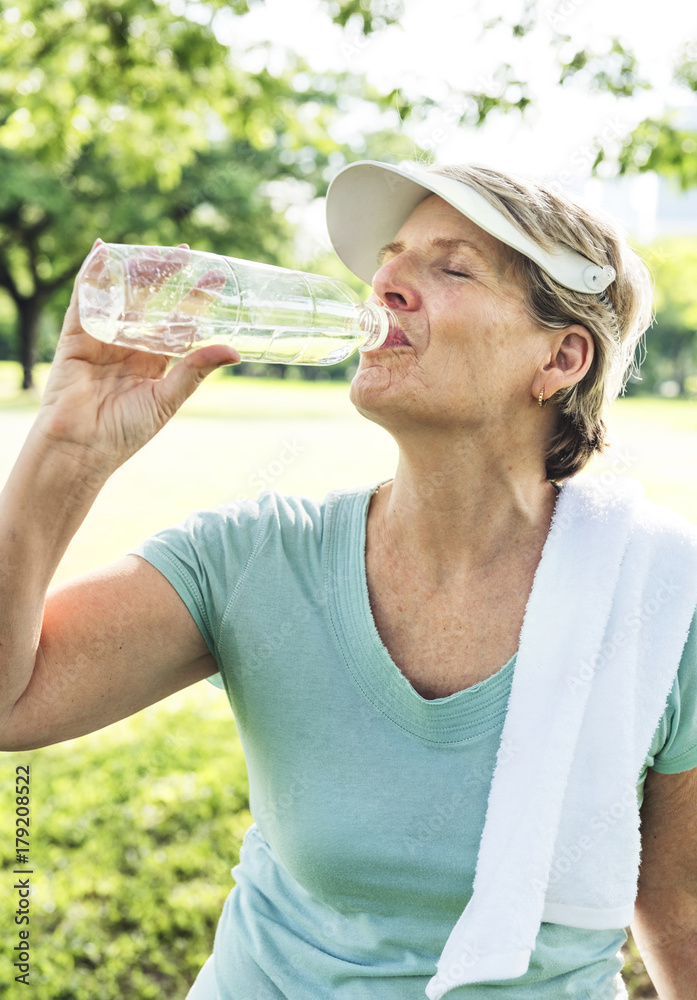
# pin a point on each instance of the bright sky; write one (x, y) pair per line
(439, 44)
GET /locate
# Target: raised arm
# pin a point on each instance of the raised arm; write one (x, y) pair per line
(109, 643)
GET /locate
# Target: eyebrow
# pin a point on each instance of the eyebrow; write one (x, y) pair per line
(438, 242)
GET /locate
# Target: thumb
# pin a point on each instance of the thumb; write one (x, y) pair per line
(188, 373)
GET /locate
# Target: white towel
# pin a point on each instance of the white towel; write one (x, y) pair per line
(604, 629)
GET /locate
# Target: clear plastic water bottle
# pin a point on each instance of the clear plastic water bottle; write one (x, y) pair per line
(174, 301)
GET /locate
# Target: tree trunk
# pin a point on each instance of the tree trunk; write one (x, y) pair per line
(29, 312)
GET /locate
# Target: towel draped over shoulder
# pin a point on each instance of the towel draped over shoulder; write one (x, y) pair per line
(604, 629)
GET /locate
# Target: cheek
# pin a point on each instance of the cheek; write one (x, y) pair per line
(463, 314)
(488, 355)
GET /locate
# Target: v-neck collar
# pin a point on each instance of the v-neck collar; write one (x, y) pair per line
(458, 717)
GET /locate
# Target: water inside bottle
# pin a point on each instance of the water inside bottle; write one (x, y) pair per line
(276, 345)
(288, 345)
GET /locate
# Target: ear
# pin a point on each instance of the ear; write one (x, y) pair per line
(568, 358)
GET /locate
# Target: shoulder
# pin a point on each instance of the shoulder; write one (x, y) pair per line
(668, 541)
(283, 523)
(273, 525)
(660, 521)
(599, 498)
(297, 512)
(267, 510)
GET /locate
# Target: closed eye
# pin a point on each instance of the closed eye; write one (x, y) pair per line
(459, 274)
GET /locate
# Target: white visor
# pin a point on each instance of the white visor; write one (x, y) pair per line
(368, 203)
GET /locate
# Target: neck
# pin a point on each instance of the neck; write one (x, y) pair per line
(456, 510)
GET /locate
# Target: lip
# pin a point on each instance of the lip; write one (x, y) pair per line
(395, 338)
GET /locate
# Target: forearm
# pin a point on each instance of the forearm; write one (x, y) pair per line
(46, 498)
(666, 934)
(101, 404)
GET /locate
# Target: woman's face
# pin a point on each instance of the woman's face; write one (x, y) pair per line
(470, 350)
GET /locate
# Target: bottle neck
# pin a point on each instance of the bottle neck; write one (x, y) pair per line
(376, 321)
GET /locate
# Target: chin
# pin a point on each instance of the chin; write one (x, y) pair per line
(375, 393)
(382, 376)
(371, 378)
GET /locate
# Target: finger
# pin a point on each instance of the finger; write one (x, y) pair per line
(180, 255)
(95, 263)
(91, 269)
(179, 328)
(214, 356)
(186, 375)
(151, 268)
(203, 294)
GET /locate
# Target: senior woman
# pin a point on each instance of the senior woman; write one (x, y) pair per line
(455, 688)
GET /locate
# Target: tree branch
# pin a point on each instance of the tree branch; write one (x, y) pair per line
(8, 282)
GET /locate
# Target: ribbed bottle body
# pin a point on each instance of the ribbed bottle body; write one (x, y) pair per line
(174, 301)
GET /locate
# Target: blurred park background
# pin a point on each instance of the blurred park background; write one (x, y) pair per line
(221, 124)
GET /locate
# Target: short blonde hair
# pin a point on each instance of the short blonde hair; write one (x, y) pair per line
(616, 319)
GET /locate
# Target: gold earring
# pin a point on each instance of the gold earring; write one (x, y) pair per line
(541, 397)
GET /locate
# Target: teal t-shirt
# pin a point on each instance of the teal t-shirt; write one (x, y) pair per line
(368, 800)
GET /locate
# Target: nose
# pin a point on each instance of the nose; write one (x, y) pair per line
(394, 283)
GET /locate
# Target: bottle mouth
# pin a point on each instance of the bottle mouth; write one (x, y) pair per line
(377, 321)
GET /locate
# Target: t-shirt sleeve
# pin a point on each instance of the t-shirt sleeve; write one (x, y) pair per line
(205, 556)
(675, 744)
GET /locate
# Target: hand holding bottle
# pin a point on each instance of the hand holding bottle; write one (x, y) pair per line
(104, 401)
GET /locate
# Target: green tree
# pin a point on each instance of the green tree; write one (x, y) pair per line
(672, 340)
(123, 119)
(667, 144)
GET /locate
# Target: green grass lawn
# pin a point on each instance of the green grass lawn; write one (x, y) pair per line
(135, 828)
(236, 436)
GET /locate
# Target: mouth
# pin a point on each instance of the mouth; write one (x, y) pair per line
(395, 338)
